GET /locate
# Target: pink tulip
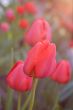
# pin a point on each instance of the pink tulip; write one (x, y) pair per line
(5, 27)
(40, 30)
(62, 72)
(17, 80)
(10, 15)
(40, 61)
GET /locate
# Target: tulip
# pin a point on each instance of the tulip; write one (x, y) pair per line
(62, 72)
(10, 15)
(17, 80)
(30, 7)
(4, 27)
(23, 24)
(40, 60)
(40, 30)
(20, 10)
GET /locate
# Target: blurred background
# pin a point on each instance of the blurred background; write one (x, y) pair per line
(59, 14)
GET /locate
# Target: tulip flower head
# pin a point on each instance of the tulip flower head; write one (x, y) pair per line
(40, 30)
(10, 15)
(30, 7)
(20, 10)
(17, 80)
(62, 72)
(23, 24)
(40, 60)
(5, 27)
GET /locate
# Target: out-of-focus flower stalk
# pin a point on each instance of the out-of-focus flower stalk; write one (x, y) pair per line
(35, 81)
(9, 102)
(19, 102)
(56, 105)
(26, 102)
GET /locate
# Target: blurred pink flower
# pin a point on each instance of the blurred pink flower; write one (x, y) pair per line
(10, 15)
(5, 27)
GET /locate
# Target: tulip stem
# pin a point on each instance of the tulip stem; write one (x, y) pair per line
(19, 102)
(56, 106)
(9, 102)
(35, 81)
(26, 102)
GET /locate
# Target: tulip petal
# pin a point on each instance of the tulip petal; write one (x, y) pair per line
(45, 62)
(32, 58)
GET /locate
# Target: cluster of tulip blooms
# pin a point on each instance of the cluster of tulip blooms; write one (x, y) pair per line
(41, 58)
(28, 7)
(40, 61)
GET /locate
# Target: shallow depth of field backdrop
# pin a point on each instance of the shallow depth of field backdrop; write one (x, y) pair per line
(13, 47)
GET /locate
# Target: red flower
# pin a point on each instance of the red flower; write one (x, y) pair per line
(30, 7)
(40, 61)
(62, 72)
(16, 78)
(40, 30)
(23, 24)
(20, 10)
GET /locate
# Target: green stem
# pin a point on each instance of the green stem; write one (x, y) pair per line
(19, 102)
(9, 101)
(35, 81)
(26, 102)
(56, 102)
(56, 105)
